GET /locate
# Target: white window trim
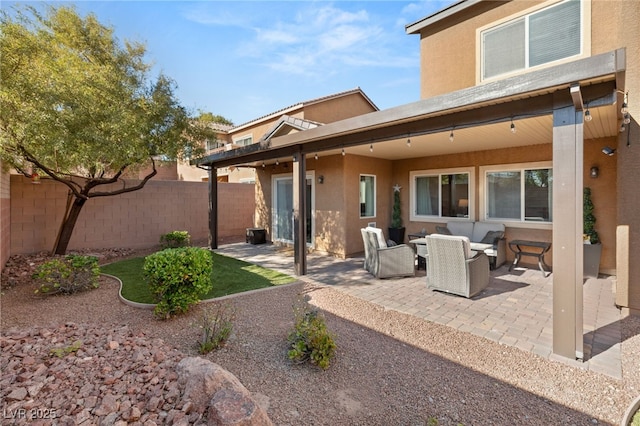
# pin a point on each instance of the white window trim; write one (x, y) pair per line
(413, 217)
(482, 193)
(236, 141)
(375, 195)
(309, 175)
(585, 37)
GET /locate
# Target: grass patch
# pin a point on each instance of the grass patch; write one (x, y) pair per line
(229, 276)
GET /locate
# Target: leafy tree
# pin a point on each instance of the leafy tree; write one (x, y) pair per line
(209, 117)
(79, 106)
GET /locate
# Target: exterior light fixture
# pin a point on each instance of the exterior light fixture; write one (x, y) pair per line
(321, 179)
(371, 148)
(263, 166)
(626, 118)
(343, 153)
(316, 156)
(608, 151)
(277, 162)
(451, 136)
(513, 126)
(587, 115)
(594, 172)
(408, 142)
(625, 105)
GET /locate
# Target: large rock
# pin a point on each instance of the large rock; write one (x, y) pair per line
(212, 389)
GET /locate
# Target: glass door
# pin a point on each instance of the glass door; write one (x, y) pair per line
(283, 209)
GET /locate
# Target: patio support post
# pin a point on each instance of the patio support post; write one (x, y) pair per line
(300, 213)
(568, 147)
(213, 208)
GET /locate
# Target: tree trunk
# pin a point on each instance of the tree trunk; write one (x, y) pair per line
(68, 223)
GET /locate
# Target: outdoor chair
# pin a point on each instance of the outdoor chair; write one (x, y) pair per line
(454, 268)
(386, 261)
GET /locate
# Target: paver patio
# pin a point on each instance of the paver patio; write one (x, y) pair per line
(515, 309)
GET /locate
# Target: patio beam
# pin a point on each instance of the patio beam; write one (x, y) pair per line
(213, 208)
(568, 152)
(299, 188)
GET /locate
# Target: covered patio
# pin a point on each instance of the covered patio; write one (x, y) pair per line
(548, 108)
(516, 309)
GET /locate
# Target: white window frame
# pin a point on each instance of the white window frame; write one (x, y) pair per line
(243, 140)
(585, 39)
(375, 195)
(483, 193)
(414, 217)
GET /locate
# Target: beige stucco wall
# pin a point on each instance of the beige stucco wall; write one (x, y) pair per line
(337, 109)
(132, 220)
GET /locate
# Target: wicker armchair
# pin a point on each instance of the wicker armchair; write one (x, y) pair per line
(454, 268)
(383, 261)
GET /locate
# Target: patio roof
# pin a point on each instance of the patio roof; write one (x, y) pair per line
(477, 116)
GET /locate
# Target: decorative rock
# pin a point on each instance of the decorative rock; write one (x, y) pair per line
(213, 389)
(17, 394)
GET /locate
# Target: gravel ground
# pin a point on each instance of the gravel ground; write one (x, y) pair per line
(390, 368)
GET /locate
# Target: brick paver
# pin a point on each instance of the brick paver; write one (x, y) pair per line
(515, 309)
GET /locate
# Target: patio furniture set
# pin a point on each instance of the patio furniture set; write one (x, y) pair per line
(458, 258)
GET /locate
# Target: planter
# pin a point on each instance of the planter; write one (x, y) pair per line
(633, 409)
(591, 259)
(396, 235)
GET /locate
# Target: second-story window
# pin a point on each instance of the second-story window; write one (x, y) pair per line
(243, 141)
(542, 37)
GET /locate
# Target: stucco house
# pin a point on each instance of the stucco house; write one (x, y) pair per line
(300, 116)
(523, 104)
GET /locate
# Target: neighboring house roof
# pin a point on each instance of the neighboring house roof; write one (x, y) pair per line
(287, 121)
(303, 104)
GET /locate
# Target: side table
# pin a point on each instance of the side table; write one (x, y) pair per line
(538, 249)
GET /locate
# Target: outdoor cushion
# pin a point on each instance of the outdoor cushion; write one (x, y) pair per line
(480, 229)
(492, 237)
(443, 230)
(379, 236)
(464, 228)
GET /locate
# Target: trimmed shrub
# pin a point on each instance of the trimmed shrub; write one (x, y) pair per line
(310, 340)
(175, 239)
(178, 278)
(68, 275)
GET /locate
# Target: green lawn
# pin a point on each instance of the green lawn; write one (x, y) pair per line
(229, 276)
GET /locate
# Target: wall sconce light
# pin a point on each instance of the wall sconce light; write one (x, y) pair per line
(608, 151)
(594, 172)
(321, 179)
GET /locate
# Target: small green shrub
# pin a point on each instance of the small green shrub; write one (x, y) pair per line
(68, 275)
(216, 326)
(175, 239)
(178, 278)
(310, 340)
(62, 352)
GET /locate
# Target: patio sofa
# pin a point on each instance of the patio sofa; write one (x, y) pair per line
(383, 260)
(481, 232)
(454, 268)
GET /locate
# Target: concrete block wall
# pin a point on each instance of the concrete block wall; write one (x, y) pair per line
(5, 216)
(131, 220)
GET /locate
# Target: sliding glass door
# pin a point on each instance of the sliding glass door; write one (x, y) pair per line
(283, 208)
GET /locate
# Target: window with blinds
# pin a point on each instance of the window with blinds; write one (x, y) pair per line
(539, 38)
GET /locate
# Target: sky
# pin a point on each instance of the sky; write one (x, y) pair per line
(246, 59)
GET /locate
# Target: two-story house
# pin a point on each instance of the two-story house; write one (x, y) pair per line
(523, 104)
